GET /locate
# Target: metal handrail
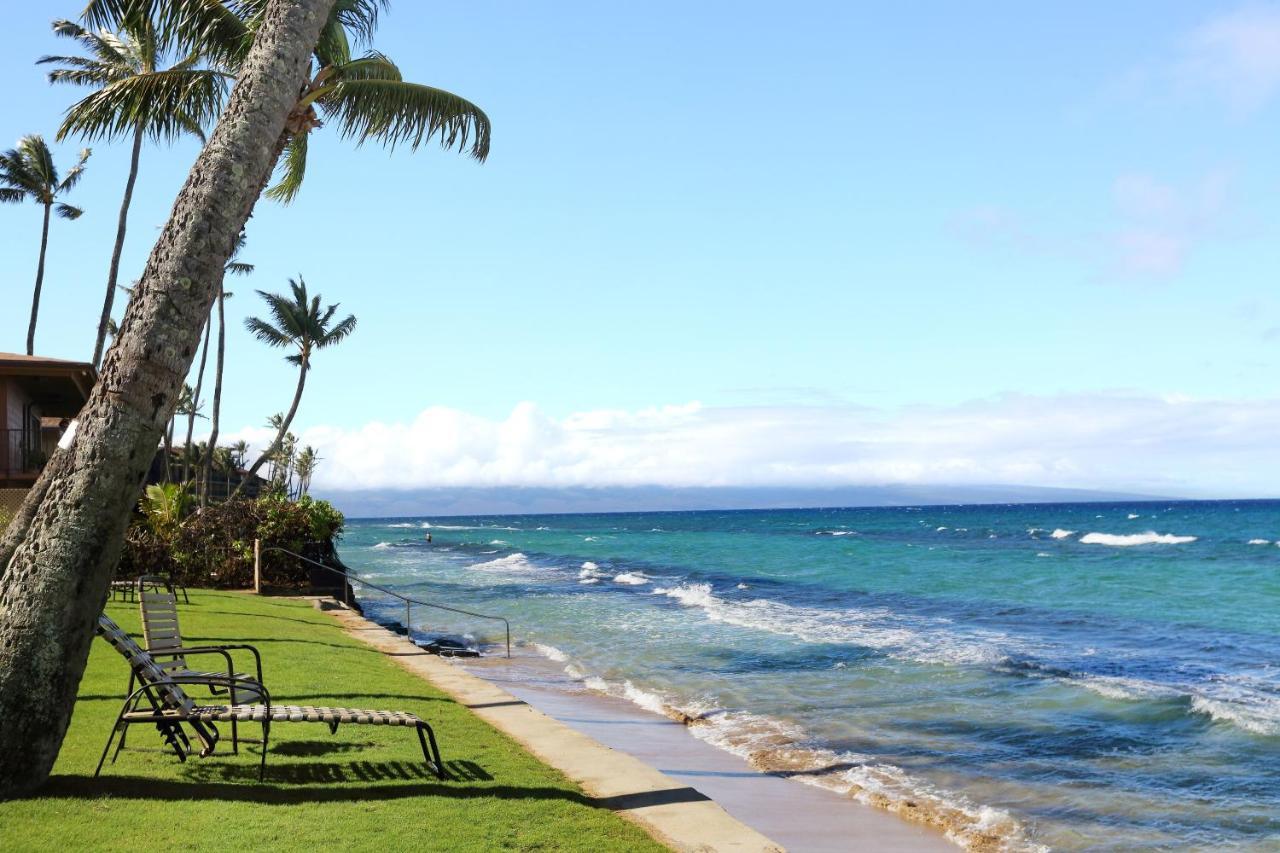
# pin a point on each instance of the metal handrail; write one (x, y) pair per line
(408, 602)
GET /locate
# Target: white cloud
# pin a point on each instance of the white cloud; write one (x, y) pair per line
(1237, 56)
(1169, 445)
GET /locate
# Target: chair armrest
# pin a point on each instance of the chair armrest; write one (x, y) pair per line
(228, 683)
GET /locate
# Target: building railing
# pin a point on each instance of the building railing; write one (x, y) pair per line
(351, 577)
(20, 452)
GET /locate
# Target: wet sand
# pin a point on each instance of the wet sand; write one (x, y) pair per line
(799, 816)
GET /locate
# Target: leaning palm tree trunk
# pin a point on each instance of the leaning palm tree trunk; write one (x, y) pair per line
(35, 297)
(57, 567)
(284, 429)
(113, 274)
(215, 415)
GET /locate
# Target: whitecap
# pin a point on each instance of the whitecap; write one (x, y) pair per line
(689, 594)
(405, 524)
(383, 545)
(1061, 534)
(1126, 540)
(631, 579)
(590, 573)
(1132, 516)
(940, 529)
(1259, 541)
(744, 586)
(1043, 554)
(550, 652)
(517, 563)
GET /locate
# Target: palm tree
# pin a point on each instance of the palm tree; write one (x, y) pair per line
(301, 325)
(308, 461)
(234, 267)
(133, 97)
(58, 553)
(364, 96)
(28, 172)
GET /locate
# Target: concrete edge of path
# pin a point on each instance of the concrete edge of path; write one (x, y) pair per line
(673, 813)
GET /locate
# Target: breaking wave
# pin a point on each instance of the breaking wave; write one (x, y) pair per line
(1062, 534)
(517, 563)
(919, 638)
(1123, 540)
(631, 579)
(782, 749)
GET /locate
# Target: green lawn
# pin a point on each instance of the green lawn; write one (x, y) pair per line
(365, 788)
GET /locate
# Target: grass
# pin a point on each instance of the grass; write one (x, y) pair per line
(365, 788)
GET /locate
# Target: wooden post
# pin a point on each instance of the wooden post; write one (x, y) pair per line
(257, 566)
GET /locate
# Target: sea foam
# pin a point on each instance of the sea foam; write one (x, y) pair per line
(773, 746)
(1123, 540)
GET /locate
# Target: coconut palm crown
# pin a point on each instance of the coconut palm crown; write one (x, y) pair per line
(133, 97)
(363, 95)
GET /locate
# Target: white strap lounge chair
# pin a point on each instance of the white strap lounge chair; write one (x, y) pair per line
(161, 701)
(158, 607)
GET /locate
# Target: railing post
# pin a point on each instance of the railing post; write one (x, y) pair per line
(408, 623)
(257, 566)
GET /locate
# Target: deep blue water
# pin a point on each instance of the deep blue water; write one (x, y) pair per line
(1079, 676)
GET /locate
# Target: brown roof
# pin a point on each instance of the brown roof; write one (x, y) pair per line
(13, 359)
(60, 386)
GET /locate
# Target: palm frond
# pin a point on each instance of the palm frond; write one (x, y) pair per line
(237, 268)
(292, 170)
(12, 194)
(162, 102)
(338, 332)
(359, 17)
(266, 333)
(393, 111)
(75, 172)
(66, 211)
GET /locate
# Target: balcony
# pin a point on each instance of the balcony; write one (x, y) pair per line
(21, 456)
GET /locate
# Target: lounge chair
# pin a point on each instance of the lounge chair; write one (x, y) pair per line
(161, 701)
(163, 639)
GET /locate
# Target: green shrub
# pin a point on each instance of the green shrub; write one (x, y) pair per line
(213, 546)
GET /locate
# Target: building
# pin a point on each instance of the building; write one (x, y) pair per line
(38, 397)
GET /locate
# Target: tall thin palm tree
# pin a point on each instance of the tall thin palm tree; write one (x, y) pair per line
(298, 323)
(363, 95)
(134, 97)
(28, 172)
(233, 267)
(308, 461)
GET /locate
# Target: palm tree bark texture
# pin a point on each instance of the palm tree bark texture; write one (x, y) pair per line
(55, 567)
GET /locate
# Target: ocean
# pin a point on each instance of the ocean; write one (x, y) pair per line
(1062, 676)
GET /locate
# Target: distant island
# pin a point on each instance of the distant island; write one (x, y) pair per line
(534, 500)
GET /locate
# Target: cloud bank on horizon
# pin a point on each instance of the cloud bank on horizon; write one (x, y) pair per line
(1155, 445)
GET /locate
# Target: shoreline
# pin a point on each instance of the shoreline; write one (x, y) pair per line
(652, 769)
(799, 816)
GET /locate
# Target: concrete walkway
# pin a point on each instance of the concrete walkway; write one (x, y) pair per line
(676, 814)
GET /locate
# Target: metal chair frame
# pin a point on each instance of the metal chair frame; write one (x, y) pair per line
(168, 714)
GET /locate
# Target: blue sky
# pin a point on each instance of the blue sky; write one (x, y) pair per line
(805, 219)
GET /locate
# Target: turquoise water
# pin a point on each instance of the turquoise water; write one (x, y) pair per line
(1082, 676)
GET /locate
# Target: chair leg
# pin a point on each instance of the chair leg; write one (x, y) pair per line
(433, 757)
(114, 727)
(262, 768)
